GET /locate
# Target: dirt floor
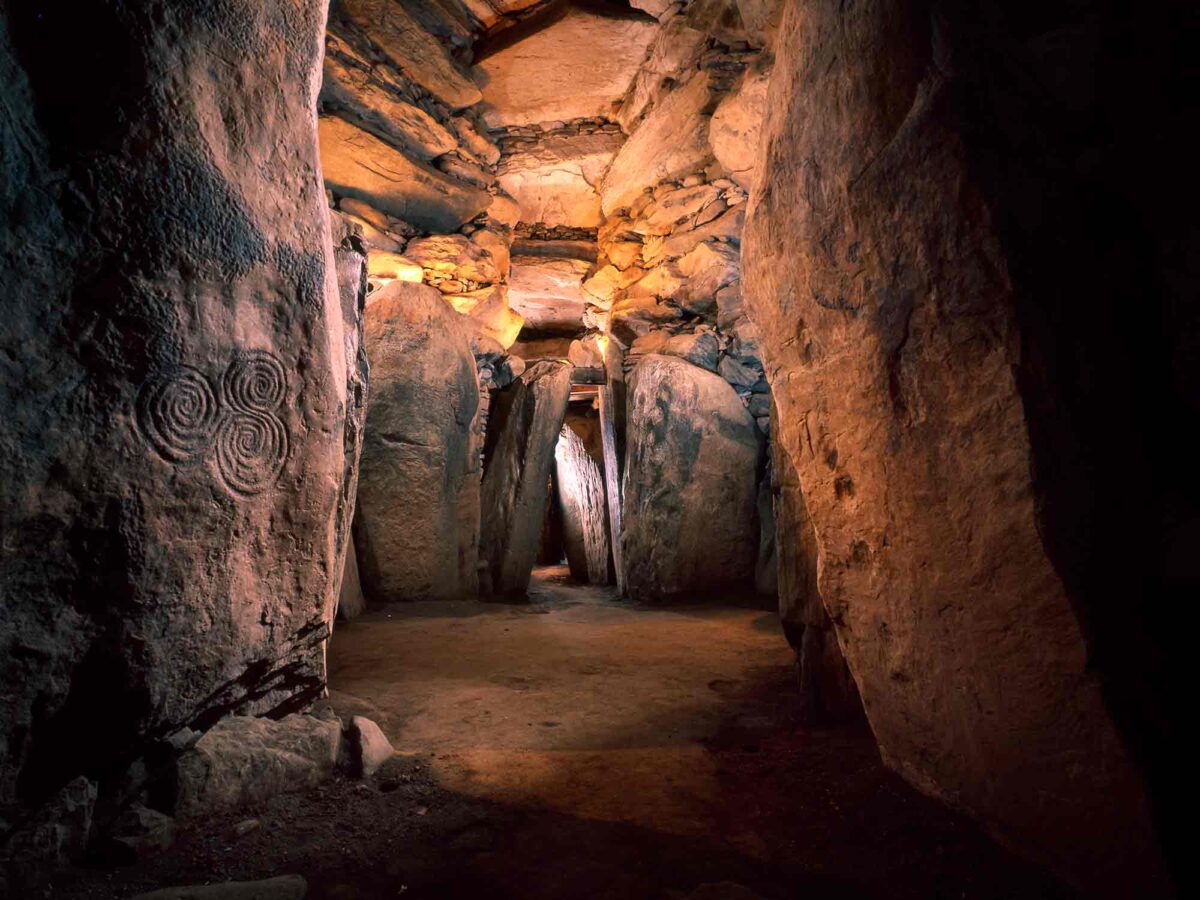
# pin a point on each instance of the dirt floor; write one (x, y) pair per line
(584, 747)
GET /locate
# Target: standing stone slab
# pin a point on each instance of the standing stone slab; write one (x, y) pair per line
(528, 420)
(350, 259)
(691, 483)
(172, 375)
(884, 292)
(418, 497)
(579, 475)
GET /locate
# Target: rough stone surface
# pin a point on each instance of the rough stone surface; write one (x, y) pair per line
(368, 748)
(554, 180)
(352, 90)
(827, 691)
(736, 127)
(283, 887)
(352, 603)
(887, 313)
(573, 68)
(418, 499)
(547, 291)
(413, 50)
(579, 477)
(526, 420)
(243, 760)
(358, 164)
(671, 142)
(691, 481)
(172, 376)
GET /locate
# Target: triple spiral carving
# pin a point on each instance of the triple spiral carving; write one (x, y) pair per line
(186, 421)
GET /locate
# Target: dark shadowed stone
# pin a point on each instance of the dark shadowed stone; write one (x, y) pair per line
(691, 480)
(172, 375)
(579, 476)
(418, 497)
(527, 417)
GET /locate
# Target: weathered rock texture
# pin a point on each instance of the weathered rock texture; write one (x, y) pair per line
(244, 760)
(691, 479)
(827, 690)
(418, 499)
(572, 67)
(579, 479)
(905, 353)
(172, 374)
(526, 420)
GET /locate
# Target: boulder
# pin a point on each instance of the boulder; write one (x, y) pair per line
(350, 89)
(573, 68)
(454, 256)
(368, 747)
(700, 348)
(58, 833)
(284, 887)
(547, 291)
(358, 164)
(707, 268)
(579, 477)
(671, 142)
(554, 180)
(418, 499)
(726, 228)
(173, 376)
(244, 760)
(736, 126)
(412, 49)
(140, 831)
(526, 419)
(676, 207)
(880, 279)
(674, 52)
(691, 482)
(383, 266)
(634, 317)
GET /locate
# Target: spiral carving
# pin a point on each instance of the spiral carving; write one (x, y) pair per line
(178, 412)
(255, 382)
(251, 450)
(185, 420)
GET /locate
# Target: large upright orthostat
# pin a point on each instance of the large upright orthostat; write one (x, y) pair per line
(417, 530)
(172, 374)
(884, 292)
(691, 483)
(528, 420)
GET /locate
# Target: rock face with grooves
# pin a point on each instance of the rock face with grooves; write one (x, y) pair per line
(526, 418)
(172, 375)
(418, 498)
(358, 164)
(691, 483)
(881, 289)
(579, 476)
(417, 53)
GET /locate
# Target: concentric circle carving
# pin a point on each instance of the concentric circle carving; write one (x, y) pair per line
(251, 450)
(178, 412)
(255, 382)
